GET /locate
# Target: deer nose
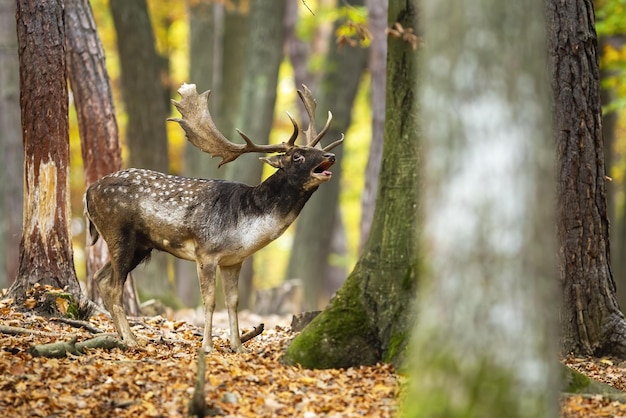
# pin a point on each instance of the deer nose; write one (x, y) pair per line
(330, 156)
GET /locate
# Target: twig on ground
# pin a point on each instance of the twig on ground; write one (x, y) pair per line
(251, 334)
(6, 329)
(197, 405)
(78, 324)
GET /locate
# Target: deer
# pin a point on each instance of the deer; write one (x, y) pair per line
(212, 222)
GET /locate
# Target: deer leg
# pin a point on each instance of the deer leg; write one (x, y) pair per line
(111, 291)
(111, 285)
(230, 279)
(206, 276)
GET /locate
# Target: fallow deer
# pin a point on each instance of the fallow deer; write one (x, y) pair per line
(215, 223)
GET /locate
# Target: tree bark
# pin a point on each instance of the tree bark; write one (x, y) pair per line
(97, 124)
(485, 339)
(46, 246)
(317, 222)
(591, 322)
(370, 318)
(264, 54)
(377, 22)
(146, 136)
(11, 184)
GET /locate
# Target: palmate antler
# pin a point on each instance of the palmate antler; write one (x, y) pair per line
(201, 130)
(313, 138)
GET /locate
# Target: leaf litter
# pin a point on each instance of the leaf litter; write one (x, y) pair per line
(157, 379)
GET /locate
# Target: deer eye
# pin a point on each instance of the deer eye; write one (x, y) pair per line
(299, 158)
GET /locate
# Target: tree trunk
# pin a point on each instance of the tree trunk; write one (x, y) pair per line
(11, 184)
(141, 85)
(147, 112)
(46, 247)
(377, 22)
(258, 96)
(315, 226)
(97, 125)
(217, 61)
(591, 322)
(369, 319)
(609, 135)
(302, 53)
(485, 338)
(205, 48)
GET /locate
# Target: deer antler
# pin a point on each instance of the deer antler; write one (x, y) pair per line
(202, 132)
(312, 138)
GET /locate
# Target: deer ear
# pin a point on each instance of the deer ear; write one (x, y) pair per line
(275, 161)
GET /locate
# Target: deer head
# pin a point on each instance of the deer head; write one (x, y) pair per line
(214, 223)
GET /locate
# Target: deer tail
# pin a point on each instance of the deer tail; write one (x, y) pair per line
(93, 231)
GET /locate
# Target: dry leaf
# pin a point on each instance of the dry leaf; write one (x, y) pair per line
(30, 303)
(62, 305)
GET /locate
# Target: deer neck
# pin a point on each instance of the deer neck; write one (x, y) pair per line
(282, 197)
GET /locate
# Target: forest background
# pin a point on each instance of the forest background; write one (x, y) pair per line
(171, 28)
(171, 22)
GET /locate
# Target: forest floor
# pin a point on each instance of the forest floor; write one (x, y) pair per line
(157, 379)
(604, 370)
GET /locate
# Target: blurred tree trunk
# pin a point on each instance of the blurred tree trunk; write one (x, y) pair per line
(485, 339)
(309, 259)
(46, 246)
(11, 176)
(302, 53)
(147, 112)
(141, 85)
(255, 117)
(217, 59)
(591, 321)
(205, 43)
(617, 226)
(97, 125)
(370, 318)
(205, 50)
(377, 23)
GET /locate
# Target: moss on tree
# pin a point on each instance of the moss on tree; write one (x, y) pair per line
(339, 337)
(370, 318)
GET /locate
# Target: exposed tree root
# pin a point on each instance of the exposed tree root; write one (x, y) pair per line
(63, 348)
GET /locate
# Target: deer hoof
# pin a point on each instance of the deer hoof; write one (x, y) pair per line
(130, 341)
(239, 350)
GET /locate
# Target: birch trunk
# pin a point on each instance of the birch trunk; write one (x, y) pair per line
(485, 340)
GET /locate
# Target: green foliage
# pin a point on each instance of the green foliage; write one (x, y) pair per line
(611, 22)
(352, 19)
(610, 17)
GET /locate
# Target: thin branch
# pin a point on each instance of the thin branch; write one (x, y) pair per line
(308, 8)
(251, 334)
(79, 324)
(6, 329)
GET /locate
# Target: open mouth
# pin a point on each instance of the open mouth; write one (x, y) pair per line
(322, 169)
